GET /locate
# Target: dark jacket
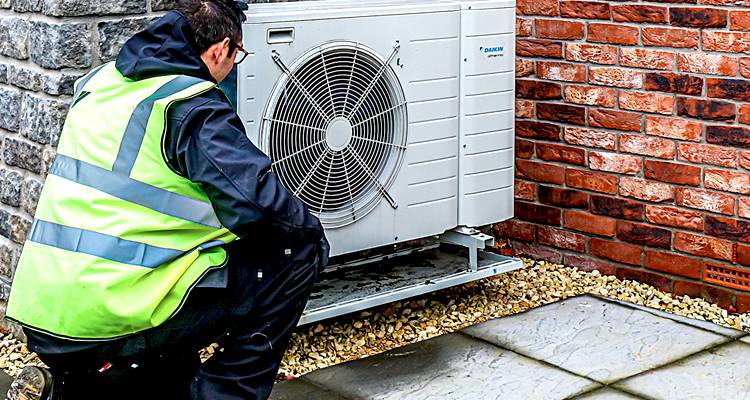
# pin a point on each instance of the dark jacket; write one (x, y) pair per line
(206, 142)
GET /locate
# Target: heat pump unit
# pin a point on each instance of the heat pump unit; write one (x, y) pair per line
(392, 120)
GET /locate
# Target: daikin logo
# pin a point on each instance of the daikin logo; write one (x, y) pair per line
(491, 52)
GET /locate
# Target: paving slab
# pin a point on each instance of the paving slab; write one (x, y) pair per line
(449, 367)
(745, 339)
(720, 373)
(706, 325)
(607, 394)
(298, 389)
(601, 340)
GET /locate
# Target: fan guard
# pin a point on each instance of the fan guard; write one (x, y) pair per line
(335, 128)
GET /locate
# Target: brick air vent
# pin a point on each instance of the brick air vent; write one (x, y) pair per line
(727, 276)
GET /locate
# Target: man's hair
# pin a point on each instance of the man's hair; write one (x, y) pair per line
(213, 20)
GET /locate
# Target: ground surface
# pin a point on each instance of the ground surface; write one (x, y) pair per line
(584, 347)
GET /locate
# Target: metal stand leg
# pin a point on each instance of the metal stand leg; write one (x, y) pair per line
(470, 238)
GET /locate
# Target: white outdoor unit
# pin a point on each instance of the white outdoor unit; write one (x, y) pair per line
(393, 120)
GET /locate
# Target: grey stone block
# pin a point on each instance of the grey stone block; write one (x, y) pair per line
(19, 228)
(6, 3)
(10, 191)
(27, 5)
(298, 389)
(18, 153)
(113, 34)
(57, 46)
(600, 340)
(25, 78)
(14, 35)
(32, 189)
(9, 254)
(10, 108)
(720, 373)
(161, 5)
(3, 73)
(60, 83)
(5, 224)
(70, 8)
(449, 367)
(42, 119)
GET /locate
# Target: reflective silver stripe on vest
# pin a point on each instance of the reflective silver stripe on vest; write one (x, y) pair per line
(128, 189)
(100, 245)
(85, 80)
(136, 129)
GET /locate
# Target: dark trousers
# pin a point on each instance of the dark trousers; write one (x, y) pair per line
(252, 318)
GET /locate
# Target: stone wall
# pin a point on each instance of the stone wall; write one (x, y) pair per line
(633, 139)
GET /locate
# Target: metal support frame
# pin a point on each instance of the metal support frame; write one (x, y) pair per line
(472, 239)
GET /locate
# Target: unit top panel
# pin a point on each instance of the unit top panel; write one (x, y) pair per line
(325, 9)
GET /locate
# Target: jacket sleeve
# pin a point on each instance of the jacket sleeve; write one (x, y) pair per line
(207, 144)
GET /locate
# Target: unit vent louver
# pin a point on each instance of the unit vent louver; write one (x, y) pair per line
(335, 129)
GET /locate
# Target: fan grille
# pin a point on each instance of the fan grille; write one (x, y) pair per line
(336, 131)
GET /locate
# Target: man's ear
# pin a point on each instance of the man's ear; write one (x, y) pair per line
(222, 50)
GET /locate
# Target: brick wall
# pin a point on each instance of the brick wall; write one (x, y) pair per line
(633, 139)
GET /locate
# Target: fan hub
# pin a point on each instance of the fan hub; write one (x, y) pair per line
(338, 133)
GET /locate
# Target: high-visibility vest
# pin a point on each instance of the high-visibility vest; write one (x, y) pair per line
(119, 238)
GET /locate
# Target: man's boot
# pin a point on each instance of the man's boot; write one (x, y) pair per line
(33, 383)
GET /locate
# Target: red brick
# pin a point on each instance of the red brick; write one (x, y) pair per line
(681, 174)
(745, 67)
(524, 109)
(561, 153)
(734, 136)
(584, 9)
(524, 67)
(589, 264)
(613, 162)
(674, 128)
(644, 234)
(646, 58)
(613, 33)
(591, 95)
(524, 26)
(743, 303)
(646, 190)
(694, 17)
(706, 200)
(674, 83)
(585, 222)
(674, 264)
(514, 229)
(725, 228)
(536, 252)
(707, 154)
(618, 208)
(745, 114)
(561, 239)
(524, 148)
(660, 282)
(594, 181)
(540, 172)
(614, 76)
(590, 138)
(620, 252)
(537, 130)
(740, 20)
(707, 63)
(743, 208)
(538, 213)
(703, 246)
(639, 13)
(706, 109)
(732, 89)
(561, 113)
(538, 90)
(670, 37)
(741, 3)
(561, 71)
(539, 48)
(647, 145)
(728, 181)
(591, 53)
(525, 190)
(561, 197)
(728, 42)
(647, 102)
(745, 159)
(557, 29)
(721, 297)
(537, 7)
(743, 254)
(670, 216)
(611, 119)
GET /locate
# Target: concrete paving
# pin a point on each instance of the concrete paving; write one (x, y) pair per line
(586, 348)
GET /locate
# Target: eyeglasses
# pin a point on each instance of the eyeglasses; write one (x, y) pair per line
(239, 47)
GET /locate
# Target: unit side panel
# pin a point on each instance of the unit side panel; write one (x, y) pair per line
(486, 139)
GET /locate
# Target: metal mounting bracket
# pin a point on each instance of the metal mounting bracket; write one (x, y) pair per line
(472, 239)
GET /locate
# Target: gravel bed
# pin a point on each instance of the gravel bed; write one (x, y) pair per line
(397, 324)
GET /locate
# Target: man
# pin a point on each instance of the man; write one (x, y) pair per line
(161, 229)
